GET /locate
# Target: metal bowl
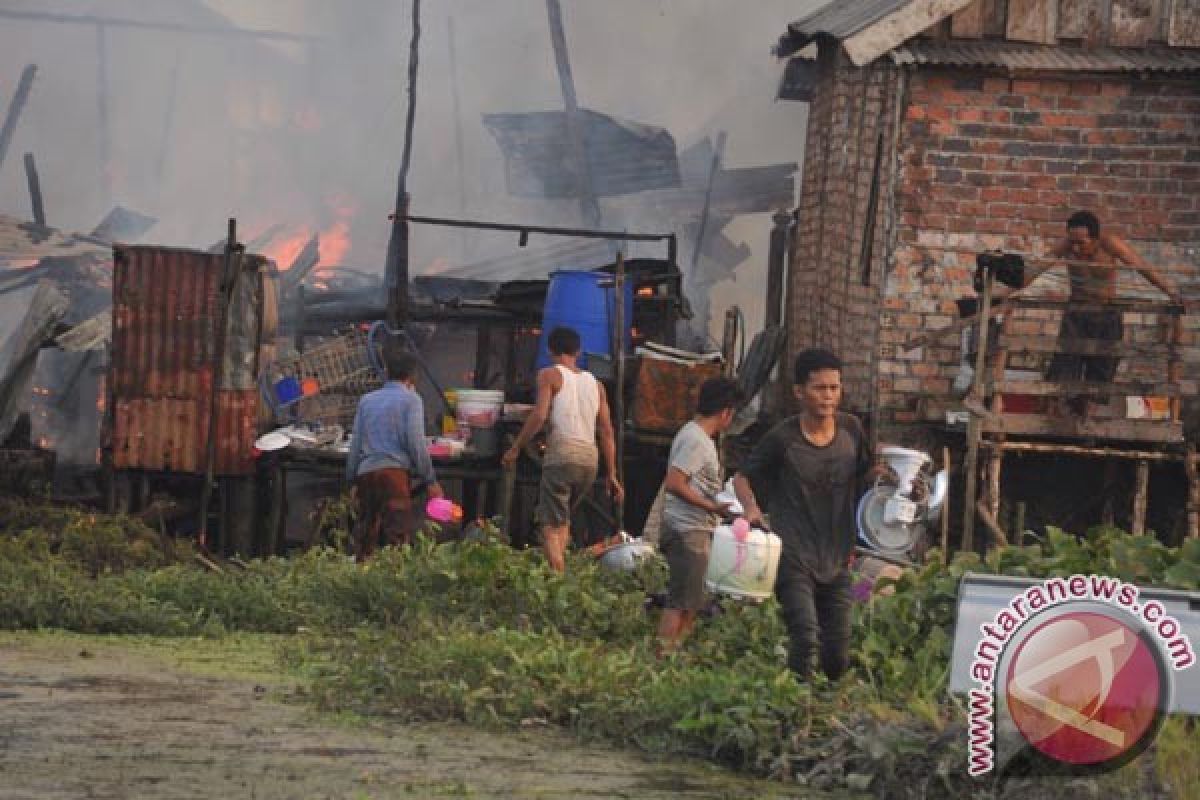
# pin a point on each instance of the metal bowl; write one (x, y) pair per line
(627, 555)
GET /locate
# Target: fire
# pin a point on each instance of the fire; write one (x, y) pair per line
(283, 251)
(335, 243)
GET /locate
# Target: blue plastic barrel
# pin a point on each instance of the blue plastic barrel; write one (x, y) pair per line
(577, 300)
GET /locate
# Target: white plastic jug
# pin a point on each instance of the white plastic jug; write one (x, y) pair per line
(746, 568)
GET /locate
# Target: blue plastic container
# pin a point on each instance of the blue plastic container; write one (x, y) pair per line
(577, 300)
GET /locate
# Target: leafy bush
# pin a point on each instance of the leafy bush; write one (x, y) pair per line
(481, 632)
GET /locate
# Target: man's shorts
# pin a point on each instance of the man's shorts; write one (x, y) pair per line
(563, 488)
(687, 554)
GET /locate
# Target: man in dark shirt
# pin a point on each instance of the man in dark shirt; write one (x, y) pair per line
(811, 469)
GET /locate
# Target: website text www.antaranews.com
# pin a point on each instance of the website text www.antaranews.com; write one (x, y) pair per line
(1032, 601)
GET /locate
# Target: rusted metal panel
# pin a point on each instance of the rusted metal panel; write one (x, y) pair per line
(1183, 30)
(165, 319)
(1033, 21)
(1133, 22)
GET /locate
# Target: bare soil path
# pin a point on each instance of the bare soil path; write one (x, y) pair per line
(130, 717)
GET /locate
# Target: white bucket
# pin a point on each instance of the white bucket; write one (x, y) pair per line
(743, 569)
(907, 465)
(478, 408)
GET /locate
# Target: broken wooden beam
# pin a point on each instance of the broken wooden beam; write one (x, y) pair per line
(304, 262)
(15, 107)
(45, 310)
(35, 190)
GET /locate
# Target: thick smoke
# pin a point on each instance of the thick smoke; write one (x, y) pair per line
(308, 134)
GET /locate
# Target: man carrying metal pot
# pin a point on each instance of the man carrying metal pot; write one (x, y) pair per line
(690, 510)
(811, 469)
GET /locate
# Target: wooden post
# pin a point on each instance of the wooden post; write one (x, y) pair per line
(396, 269)
(975, 422)
(228, 290)
(15, 106)
(996, 406)
(1175, 363)
(587, 196)
(1141, 489)
(729, 340)
(946, 507)
(619, 388)
(35, 190)
(776, 259)
(715, 167)
(1019, 522)
(1193, 505)
(995, 463)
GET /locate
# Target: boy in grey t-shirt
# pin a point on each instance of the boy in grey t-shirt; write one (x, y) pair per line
(690, 511)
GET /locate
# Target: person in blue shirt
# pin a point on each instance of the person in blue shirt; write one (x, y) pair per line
(388, 457)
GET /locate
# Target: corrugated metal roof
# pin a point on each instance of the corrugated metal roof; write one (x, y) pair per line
(1015, 55)
(624, 157)
(839, 19)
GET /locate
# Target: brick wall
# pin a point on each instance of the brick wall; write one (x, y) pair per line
(1001, 162)
(836, 275)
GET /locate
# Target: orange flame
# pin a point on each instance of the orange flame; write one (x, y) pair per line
(283, 251)
(335, 243)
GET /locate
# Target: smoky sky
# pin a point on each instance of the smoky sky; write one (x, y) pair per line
(308, 135)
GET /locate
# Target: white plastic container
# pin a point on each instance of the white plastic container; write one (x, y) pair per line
(743, 569)
(478, 408)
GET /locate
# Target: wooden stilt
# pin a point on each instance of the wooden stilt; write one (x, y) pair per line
(995, 463)
(975, 423)
(1019, 522)
(1141, 488)
(1193, 508)
(946, 507)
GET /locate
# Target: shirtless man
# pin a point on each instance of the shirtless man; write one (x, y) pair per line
(1095, 283)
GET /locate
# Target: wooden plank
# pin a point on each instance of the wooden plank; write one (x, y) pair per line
(1032, 21)
(44, 311)
(1140, 495)
(1135, 430)
(1183, 28)
(1084, 389)
(35, 190)
(1056, 448)
(15, 106)
(968, 23)
(1133, 22)
(1078, 347)
(1082, 20)
(995, 18)
(899, 26)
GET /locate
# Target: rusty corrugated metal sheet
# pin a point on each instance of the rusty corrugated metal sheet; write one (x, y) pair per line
(1014, 55)
(165, 320)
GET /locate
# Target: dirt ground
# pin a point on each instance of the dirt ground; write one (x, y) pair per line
(130, 717)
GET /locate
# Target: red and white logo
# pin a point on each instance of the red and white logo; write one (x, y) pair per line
(1086, 688)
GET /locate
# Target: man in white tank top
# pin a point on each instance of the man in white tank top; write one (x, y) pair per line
(581, 430)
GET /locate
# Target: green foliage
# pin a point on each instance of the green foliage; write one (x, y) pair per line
(478, 631)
